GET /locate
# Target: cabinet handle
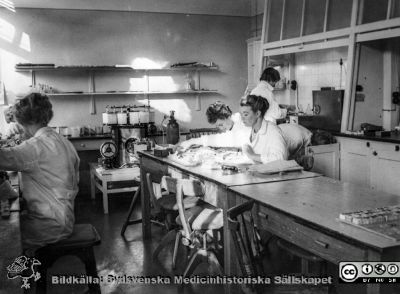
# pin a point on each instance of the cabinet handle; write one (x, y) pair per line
(367, 144)
(83, 145)
(397, 148)
(263, 215)
(322, 244)
(375, 153)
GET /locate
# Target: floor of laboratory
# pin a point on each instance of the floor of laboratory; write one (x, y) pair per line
(132, 256)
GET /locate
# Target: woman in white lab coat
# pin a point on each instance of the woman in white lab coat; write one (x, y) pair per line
(49, 167)
(265, 87)
(266, 142)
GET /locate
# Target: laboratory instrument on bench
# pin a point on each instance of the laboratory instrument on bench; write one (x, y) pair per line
(108, 151)
(131, 147)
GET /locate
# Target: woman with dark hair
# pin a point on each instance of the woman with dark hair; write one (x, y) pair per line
(234, 134)
(265, 87)
(49, 167)
(266, 142)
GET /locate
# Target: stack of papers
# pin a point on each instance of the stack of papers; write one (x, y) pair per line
(276, 166)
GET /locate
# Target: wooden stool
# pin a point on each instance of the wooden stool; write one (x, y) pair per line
(80, 244)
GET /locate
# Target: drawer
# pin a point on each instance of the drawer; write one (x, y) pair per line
(325, 246)
(86, 145)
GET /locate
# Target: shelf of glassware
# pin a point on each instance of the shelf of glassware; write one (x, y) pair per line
(91, 69)
(193, 92)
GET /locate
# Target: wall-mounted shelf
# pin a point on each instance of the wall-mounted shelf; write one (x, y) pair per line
(34, 68)
(194, 92)
(91, 70)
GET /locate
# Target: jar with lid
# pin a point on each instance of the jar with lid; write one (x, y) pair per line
(122, 116)
(133, 116)
(110, 117)
(144, 116)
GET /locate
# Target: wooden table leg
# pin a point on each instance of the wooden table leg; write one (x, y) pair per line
(92, 184)
(105, 196)
(145, 200)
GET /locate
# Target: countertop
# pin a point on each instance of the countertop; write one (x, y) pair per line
(393, 138)
(96, 137)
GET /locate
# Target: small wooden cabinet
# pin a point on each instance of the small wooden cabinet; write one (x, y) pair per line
(326, 159)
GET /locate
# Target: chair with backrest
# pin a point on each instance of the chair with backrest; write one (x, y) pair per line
(196, 133)
(201, 225)
(84, 237)
(248, 246)
(246, 240)
(165, 207)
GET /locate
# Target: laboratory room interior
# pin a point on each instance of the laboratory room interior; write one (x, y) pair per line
(247, 146)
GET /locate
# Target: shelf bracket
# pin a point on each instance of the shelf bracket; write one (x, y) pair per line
(92, 89)
(198, 103)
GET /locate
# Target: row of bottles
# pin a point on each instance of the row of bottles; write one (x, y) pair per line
(128, 115)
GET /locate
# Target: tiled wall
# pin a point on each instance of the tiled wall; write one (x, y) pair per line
(317, 69)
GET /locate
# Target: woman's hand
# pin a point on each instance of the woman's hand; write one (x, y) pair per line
(249, 152)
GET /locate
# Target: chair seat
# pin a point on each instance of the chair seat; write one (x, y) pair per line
(83, 235)
(203, 216)
(297, 251)
(169, 202)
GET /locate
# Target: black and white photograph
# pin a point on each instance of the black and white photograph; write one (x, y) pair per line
(200, 146)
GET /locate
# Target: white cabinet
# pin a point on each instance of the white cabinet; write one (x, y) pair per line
(385, 167)
(326, 159)
(370, 163)
(253, 62)
(354, 161)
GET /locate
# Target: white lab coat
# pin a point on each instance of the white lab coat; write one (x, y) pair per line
(269, 143)
(49, 167)
(236, 137)
(297, 138)
(274, 112)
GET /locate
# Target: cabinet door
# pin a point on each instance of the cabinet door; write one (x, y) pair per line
(354, 161)
(257, 62)
(250, 65)
(385, 167)
(326, 159)
(254, 63)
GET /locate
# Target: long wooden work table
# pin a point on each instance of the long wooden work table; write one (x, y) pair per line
(301, 207)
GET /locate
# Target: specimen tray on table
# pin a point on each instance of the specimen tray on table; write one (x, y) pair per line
(384, 221)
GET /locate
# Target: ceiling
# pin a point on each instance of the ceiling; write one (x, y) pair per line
(212, 7)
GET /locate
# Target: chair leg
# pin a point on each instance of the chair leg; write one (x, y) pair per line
(88, 258)
(128, 220)
(197, 258)
(176, 248)
(213, 260)
(91, 270)
(41, 284)
(168, 238)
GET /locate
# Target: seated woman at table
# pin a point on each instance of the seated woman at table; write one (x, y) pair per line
(233, 132)
(49, 167)
(266, 142)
